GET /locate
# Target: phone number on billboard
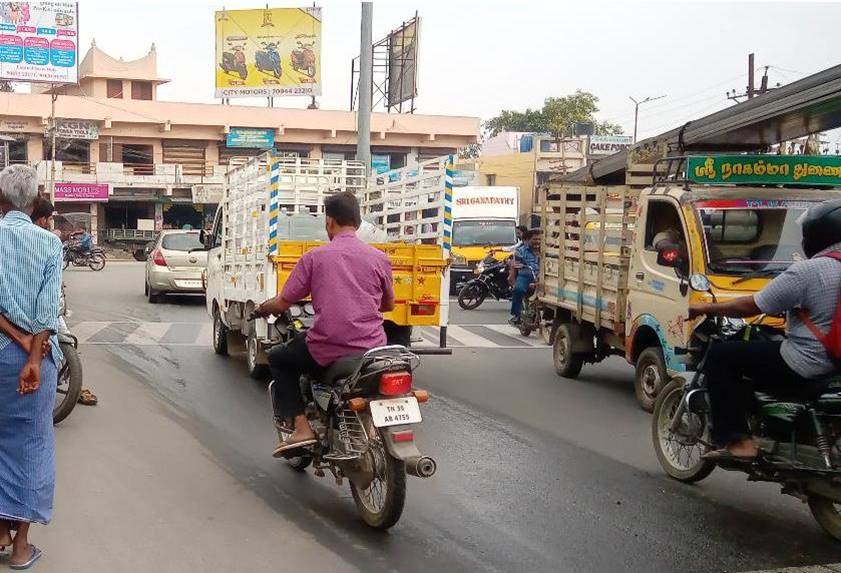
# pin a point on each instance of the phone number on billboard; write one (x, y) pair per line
(245, 92)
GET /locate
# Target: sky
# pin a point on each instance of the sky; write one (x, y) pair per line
(478, 57)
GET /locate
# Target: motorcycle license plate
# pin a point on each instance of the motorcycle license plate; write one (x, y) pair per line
(395, 412)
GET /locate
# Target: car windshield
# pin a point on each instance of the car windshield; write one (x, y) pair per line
(752, 237)
(483, 233)
(181, 241)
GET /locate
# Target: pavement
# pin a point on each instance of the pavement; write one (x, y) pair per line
(173, 472)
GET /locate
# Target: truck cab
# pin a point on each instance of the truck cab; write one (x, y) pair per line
(484, 220)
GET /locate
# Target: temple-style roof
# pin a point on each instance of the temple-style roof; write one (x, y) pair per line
(98, 64)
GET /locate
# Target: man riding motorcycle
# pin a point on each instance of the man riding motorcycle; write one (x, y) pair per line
(524, 272)
(351, 286)
(808, 291)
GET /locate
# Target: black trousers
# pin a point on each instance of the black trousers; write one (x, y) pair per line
(734, 371)
(287, 364)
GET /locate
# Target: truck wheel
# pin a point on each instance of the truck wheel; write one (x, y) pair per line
(252, 351)
(651, 377)
(220, 334)
(567, 364)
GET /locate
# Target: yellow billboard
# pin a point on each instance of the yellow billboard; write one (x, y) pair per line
(268, 52)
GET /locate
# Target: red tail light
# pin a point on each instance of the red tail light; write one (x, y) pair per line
(395, 383)
(158, 258)
(423, 309)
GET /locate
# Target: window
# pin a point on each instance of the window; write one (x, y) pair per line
(217, 230)
(662, 220)
(115, 89)
(483, 233)
(141, 90)
(181, 241)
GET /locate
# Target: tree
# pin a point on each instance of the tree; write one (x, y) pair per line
(558, 116)
(471, 151)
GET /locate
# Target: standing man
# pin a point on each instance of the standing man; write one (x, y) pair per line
(30, 286)
(351, 286)
(524, 272)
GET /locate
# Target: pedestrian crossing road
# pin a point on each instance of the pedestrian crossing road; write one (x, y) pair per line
(199, 334)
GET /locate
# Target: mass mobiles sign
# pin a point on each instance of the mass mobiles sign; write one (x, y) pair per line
(39, 42)
(608, 144)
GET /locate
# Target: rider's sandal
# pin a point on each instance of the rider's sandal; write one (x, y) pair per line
(88, 398)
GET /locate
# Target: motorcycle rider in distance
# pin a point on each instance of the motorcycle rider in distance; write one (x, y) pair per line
(523, 272)
(793, 368)
(85, 240)
(351, 286)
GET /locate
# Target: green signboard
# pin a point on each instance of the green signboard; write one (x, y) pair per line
(765, 169)
(250, 137)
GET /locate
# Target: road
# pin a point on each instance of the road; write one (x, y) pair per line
(536, 473)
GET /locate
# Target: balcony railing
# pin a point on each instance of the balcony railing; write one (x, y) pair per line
(139, 168)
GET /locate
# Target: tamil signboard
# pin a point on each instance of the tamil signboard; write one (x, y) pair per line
(268, 52)
(76, 129)
(86, 192)
(403, 63)
(765, 169)
(39, 42)
(608, 144)
(250, 137)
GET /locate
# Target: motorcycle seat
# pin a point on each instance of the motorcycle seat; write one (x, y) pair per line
(340, 369)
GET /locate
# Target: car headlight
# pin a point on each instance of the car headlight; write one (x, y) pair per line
(480, 268)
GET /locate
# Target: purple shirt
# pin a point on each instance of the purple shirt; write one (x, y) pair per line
(348, 281)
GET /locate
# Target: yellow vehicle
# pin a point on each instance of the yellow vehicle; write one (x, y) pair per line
(621, 286)
(271, 214)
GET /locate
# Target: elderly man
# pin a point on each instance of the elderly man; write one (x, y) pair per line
(30, 286)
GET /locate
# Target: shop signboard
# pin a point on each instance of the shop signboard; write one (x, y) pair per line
(268, 52)
(82, 192)
(608, 144)
(765, 169)
(250, 137)
(39, 42)
(207, 194)
(76, 129)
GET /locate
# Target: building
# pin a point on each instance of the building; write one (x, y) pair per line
(526, 160)
(137, 164)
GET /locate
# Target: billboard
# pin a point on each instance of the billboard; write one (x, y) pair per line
(39, 42)
(609, 144)
(94, 192)
(268, 52)
(254, 138)
(403, 63)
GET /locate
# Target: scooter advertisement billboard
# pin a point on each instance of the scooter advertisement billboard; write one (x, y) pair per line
(268, 52)
(39, 42)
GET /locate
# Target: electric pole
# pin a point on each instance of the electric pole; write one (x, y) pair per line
(751, 91)
(366, 80)
(637, 105)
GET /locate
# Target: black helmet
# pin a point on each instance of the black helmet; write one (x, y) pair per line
(821, 227)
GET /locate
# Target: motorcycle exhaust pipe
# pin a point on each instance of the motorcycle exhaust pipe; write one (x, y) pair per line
(421, 466)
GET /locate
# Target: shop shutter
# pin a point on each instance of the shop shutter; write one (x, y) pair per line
(189, 154)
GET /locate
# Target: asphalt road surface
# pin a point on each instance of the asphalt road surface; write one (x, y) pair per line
(536, 473)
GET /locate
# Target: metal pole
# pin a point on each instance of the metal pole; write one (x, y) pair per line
(751, 84)
(53, 97)
(366, 79)
(637, 105)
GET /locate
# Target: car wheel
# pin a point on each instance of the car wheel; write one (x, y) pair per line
(651, 377)
(153, 295)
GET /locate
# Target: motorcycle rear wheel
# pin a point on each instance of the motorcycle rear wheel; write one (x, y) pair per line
(471, 296)
(381, 504)
(97, 263)
(66, 264)
(679, 457)
(69, 383)
(827, 513)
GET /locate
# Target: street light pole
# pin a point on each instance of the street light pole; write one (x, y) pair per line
(366, 79)
(637, 105)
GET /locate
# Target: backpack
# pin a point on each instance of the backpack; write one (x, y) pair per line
(832, 339)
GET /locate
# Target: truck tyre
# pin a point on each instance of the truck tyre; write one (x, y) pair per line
(651, 377)
(252, 353)
(220, 334)
(567, 364)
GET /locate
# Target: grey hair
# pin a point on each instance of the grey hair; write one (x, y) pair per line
(19, 186)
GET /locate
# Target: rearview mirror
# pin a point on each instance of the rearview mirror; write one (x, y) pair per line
(699, 283)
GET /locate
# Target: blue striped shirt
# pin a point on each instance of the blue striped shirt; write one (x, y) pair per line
(30, 277)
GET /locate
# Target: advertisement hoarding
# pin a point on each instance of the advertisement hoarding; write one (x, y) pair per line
(250, 137)
(608, 144)
(268, 52)
(403, 63)
(39, 42)
(88, 192)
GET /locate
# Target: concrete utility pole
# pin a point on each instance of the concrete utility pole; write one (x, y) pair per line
(366, 88)
(751, 84)
(53, 129)
(637, 105)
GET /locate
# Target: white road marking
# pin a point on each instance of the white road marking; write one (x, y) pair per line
(147, 333)
(533, 340)
(467, 338)
(84, 330)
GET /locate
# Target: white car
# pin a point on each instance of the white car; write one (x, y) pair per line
(175, 264)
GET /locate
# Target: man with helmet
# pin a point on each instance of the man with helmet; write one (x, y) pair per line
(796, 367)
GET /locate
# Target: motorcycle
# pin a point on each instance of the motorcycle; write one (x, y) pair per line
(491, 279)
(70, 371)
(267, 60)
(303, 59)
(362, 410)
(234, 62)
(93, 258)
(799, 441)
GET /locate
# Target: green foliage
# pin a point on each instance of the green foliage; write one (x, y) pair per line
(471, 151)
(557, 117)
